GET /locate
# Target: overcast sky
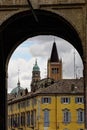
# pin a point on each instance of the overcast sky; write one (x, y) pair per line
(39, 48)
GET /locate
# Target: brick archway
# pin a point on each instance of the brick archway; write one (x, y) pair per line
(22, 26)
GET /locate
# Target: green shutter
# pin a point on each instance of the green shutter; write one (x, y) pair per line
(49, 100)
(42, 100)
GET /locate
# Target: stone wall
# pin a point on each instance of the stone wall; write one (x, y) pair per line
(36, 2)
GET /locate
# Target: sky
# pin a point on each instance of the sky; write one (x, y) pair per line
(39, 47)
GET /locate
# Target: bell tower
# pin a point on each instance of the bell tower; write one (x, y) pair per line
(54, 65)
(35, 76)
(36, 72)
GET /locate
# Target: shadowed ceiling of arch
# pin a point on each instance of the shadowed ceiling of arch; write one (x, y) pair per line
(23, 25)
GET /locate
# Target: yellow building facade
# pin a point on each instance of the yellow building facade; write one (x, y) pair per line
(46, 111)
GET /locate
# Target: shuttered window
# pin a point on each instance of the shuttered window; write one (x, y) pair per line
(65, 100)
(46, 100)
(79, 99)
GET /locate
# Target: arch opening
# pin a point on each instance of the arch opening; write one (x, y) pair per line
(23, 25)
(73, 87)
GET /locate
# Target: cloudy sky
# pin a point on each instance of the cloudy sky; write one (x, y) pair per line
(39, 48)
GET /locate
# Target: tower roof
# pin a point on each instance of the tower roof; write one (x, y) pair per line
(54, 55)
(16, 90)
(36, 67)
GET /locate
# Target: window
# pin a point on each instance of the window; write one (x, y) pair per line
(80, 115)
(54, 70)
(19, 120)
(65, 100)
(79, 99)
(46, 118)
(22, 119)
(12, 120)
(66, 116)
(15, 121)
(28, 118)
(46, 100)
(32, 118)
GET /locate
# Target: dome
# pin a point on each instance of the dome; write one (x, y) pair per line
(15, 90)
(36, 67)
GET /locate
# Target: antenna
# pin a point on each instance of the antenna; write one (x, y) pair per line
(74, 63)
(18, 73)
(45, 73)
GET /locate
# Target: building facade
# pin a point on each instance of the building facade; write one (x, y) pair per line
(53, 104)
(48, 108)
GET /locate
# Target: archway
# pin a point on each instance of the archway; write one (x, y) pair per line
(22, 26)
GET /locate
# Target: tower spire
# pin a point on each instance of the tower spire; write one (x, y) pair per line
(36, 62)
(35, 76)
(54, 55)
(74, 64)
(54, 65)
(18, 74)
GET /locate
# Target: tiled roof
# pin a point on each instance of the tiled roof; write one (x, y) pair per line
(64, 86)
(19, 97)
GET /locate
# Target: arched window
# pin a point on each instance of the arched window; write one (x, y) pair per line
(66, 116)
(80, 115)
(46, 118)
(28, 118)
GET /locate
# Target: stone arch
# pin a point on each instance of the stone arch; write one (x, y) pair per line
(21, 26)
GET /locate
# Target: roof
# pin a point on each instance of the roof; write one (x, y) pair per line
(64, 86)
(45, 82)
(54, 55)
(36, 67)
(61, 87)
(15, 90)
